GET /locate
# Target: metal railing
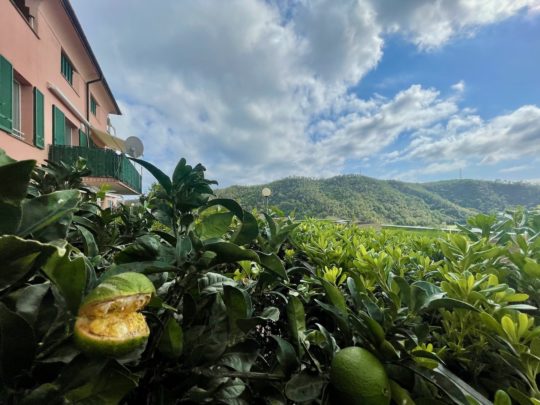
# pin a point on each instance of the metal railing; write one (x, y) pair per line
(102, 163)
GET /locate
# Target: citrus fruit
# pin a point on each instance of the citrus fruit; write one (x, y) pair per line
(109, 322)
(358, 377)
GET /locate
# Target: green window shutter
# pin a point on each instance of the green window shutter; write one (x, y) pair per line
(93, 105)
(6, 95)
(59, 127)
(39, 119)
(83, 139)
(66, 68)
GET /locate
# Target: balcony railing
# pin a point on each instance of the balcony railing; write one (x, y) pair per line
(102, 163)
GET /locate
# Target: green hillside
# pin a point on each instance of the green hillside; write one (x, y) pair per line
(387, 201)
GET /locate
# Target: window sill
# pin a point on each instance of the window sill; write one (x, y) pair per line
(20, 138)
(70, 85)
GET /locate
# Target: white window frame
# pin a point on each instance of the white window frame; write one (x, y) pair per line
(17, 110)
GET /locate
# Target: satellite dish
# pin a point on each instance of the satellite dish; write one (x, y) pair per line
(134, 146)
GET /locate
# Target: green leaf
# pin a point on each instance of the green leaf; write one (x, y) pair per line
(450, 304)
(15, 179)
(161, 177)
(180, 172)
(227, 252)
(172, 341)
(107, 387)
(20, 258)
(335, 296)
(150, 267)
(273, 263)
(10, 218)
(29, 301)
(491, 323)
(286, 355)
(17, 344)
(238, 302)
(502, 398)
(212, 283)
(145, 248)
(519, 397)
(48, 210)
(231, 205)
(247, 231)
(89, 242)
(400, 395)
(296, 317)
(184, 247)
(242, 358)
(69, 276)
(215, 225)
(44, 394)
(269, 314)
(532, 268)
(455, 388)
(303, 387)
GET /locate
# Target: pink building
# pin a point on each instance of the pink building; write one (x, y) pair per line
(54, 99)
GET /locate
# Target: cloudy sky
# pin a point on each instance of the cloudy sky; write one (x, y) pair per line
(258, 90)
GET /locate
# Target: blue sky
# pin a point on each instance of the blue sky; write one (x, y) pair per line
(258, 90)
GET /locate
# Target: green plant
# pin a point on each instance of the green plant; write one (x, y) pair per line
(252, 308)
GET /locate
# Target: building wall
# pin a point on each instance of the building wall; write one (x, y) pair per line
(35, 55)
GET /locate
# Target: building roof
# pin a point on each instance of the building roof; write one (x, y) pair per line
(77, 25)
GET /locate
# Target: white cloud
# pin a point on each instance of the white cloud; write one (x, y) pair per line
(415, 175)
(514, 169)
(504, 138)
(459, 86)
(430, 24)
(258, 90)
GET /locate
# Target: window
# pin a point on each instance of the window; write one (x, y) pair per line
(93, 105)
(67, 68)
(25, 11)
(16, 109)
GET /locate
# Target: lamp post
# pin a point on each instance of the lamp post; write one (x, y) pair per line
(266, 193)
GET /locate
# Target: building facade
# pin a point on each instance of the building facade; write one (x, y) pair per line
(54, 99)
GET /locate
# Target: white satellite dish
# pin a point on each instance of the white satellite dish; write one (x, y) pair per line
(134, 146)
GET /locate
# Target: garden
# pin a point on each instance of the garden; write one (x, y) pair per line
(189, 298)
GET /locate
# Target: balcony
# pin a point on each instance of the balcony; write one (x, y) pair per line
(107, 167)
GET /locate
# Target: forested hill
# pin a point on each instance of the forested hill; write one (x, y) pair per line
(387, 201)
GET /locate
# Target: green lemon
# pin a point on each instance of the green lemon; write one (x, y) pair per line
(358, 377)
(109, 322)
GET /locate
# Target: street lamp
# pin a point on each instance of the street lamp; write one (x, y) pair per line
(266, 193)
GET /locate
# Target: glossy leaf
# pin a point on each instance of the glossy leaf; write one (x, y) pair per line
(273, 263)
(247, 231)
(20, 258)
(17, 344)
(296, 317)
(69, 276)
(172, 340)
(303, 387)
(161, 177)
(49, 210)
(227, 252)
(10, 218)
(15, 179)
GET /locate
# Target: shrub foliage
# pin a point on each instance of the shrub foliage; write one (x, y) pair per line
(251, 307)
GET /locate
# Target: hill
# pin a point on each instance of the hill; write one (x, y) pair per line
(387, 201)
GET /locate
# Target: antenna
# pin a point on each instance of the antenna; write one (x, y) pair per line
(134, 146)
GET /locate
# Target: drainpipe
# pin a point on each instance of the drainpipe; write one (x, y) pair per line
(88, 102)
